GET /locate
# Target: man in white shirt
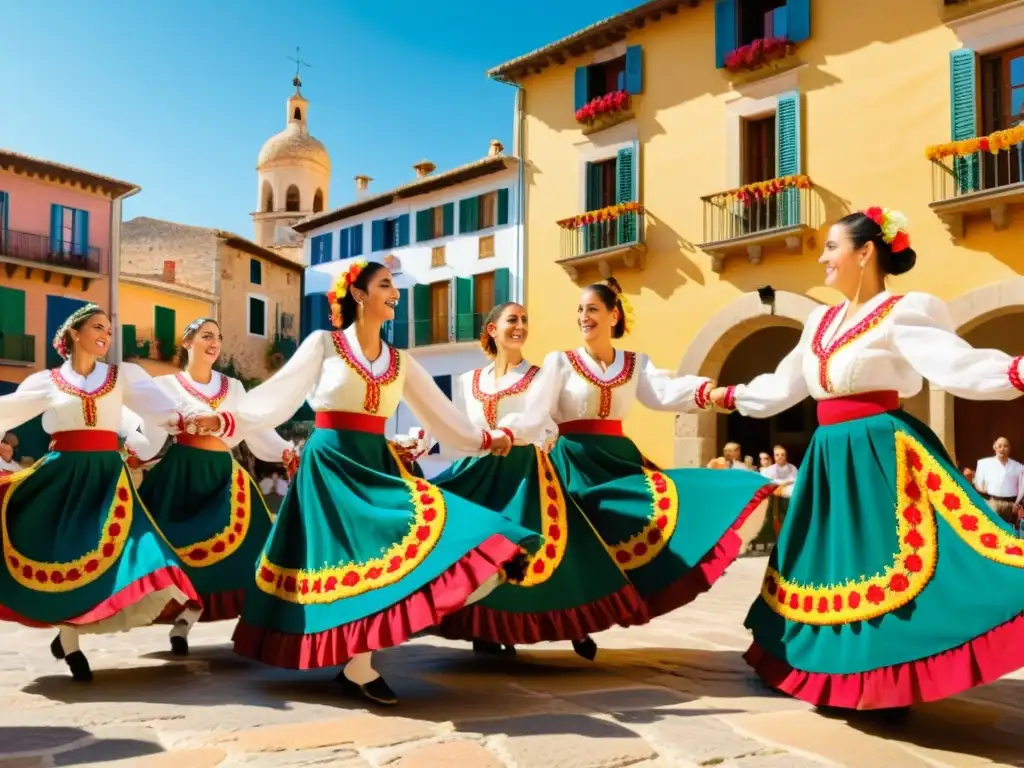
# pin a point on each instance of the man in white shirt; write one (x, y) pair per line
(732, 458)
(7, 462)
(781, 472)
(998, 479)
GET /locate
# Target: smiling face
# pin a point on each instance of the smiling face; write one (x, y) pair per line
(595, 319)
(843, 270)
(511, 329)
(92, 337)
(205, 344)
(380, 298)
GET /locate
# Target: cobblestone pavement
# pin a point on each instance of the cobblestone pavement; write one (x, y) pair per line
(670, 695)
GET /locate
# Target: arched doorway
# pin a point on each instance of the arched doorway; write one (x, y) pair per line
(977, 423)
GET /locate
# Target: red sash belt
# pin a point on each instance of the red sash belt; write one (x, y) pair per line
(591, 427)
(84, 440)
(351, 422)
(840, 409)
(203, 442)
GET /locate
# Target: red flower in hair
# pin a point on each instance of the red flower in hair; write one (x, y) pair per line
(332, 297)
(900, 243)
(875, 214)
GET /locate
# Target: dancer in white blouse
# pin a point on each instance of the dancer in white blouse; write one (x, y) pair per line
(573, 587)
(80, 551)
(858, 609)
(363, 554)
(669, 551)
(205, 503)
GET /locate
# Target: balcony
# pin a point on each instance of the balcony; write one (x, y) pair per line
(767, 215)
(31, 251)
(978, 177)
(17, 349)
(603, 239)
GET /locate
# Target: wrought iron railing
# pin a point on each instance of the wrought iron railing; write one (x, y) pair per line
(41, 250)
(740, 213)
(956, 175)
(596, 231)
(17, 348)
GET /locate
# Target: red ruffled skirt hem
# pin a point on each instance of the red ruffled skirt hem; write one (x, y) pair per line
(982, 660)
(163, 578)
(711, 567)
(421, 610)
(477, 622)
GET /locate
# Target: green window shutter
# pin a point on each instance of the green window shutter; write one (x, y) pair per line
(464, 308)
(12, 311)
(502, 286)
(798, 17)
(502, 206)
(164, 332)
(595, 190)
(963, 114)
(129, 342)
(725, 30)
(787, 153)
(400, 329)
(634, 69)
(449, 219)
(625, 192)
(469, 215)
(424, 225)
(580, 87)
(421, 314)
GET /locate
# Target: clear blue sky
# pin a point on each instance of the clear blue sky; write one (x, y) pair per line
(178, 97)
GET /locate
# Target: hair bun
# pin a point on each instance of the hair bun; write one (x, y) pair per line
(612, 283)
(903, 261)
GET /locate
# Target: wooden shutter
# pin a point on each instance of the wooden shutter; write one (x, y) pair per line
(449, 219)
(798, 21)
(377, 236)
(634, 69)
(424, 225)
(581, 86)
(400, 329)
(625, 192)
(787, 154)
(163, 325)
(502, 206)
(725, 30)
(421, 314)
(964, 114)
(464, 308)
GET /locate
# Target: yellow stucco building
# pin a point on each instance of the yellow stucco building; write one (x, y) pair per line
(715, 140)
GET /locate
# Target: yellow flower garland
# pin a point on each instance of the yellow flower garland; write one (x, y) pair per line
(610, 213)
(994, 143)
(765, 188)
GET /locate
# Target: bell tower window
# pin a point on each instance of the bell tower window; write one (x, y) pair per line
(318, 201)
(297, 114)
(291, 199)
(268, 197)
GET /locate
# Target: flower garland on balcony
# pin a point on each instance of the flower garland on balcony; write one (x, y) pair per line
(994, 143)
(610, 103)
(758, 54)
(610, 213)
(759, 190)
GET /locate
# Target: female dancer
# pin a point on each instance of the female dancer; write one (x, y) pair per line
(205, 503)
(80, 551)
(635, 507)
(573, 587)
(363, 554)
(856, 606)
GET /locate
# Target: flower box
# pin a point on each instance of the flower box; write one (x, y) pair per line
(758, 54)
(599, 110)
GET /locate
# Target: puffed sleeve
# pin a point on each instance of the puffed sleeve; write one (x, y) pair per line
(771, 393)
(922, 333)
(660, 390)
(135, 440)
(438, 415)
(278, 398)
(264, 442)
(30, 399)
(536, 421)
(148, 399)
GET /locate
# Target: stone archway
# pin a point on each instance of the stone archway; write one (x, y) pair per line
(696, 435)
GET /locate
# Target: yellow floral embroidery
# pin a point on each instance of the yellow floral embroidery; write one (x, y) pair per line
(554, 521)
(643, 547)
(222, 545)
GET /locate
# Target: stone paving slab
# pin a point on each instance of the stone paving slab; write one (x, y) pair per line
(673, 694)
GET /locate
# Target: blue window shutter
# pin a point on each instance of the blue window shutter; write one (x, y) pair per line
(403, 230)
(377, 236)
(581, 86)
(787, 153)
(345, 243)
(327, 246)
(56, 219)
(355, 237)
(314, 251)
(80, 232)
(625, 192)
(5, 206)
(798, 21)
(634, 69)
(963, 118)
(400, 329)
(778, 23)
(725, 30)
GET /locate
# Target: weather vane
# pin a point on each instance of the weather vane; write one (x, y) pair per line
(299, 64)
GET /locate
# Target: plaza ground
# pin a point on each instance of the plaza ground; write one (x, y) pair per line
(673, 694)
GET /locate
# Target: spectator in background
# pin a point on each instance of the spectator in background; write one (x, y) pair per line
(998, 479)
(764, 461)
(731, 458)
(7, 445)
(748, 461)
(781, 472)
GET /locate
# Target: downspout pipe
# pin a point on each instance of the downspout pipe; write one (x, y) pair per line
(116, 354)
(519, 119)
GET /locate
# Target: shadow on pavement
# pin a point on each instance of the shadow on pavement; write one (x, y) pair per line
(69, 746)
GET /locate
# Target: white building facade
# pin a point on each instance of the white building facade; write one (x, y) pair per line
(453, 240)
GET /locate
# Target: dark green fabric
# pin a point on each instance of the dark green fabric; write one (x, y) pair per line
(57, 515)
(840, 525)
(604, 475)
(349, 504)
(510, 487)
(189, 494)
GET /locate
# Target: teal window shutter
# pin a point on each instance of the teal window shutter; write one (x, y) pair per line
(787, 154)
(400, 329)
(421, 314)
(581, 86)
(12, 311)
(963, 115)
(56, 228)
(355, 240)
(464, 309)
(344, 245)
(778, 23)
(5, 212)
(502, 286)
(503, 206)
(163, 324)
(725, 30)
(80, 232)
(402, 231)
(424, 225)
(377, 236)
(594, 191)
(625, 192)
(469, 215)
(325, 250)
(129, 343)
(798, 21)
(634, 69)
(449, 219)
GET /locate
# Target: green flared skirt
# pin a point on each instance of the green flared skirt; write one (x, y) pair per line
(675, 531)
(215, 517)
(892, 581)
(80, 547)
(573, 586)
(363, 555)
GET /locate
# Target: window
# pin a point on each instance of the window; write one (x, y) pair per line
(485, 248)
(390, 233)
(256, 318)
(255, 272)
(320, 248)
(351, 241)
(758, 139)
(318, 201)
(437, 256)
(69, 231)
(759, 19)
(297, 113)
(483, 211)
(609, 182)
(488, 208)
(1002, 107)
(741, 22)
(607, 77)
(623, 73)
(15, 346)
(163, 332)
(291, 199)
(439, 313)
(268, 197)
(432, 223)
(483, 300)
(437, 230)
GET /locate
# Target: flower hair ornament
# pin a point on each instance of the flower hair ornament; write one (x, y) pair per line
(195, 325)
(341, 288)
(59, 339)
(628, 315)
(894, 227)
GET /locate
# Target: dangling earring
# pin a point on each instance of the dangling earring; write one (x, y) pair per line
(863, 264)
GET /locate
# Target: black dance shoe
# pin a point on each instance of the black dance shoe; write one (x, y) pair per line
(79, 665)
(179, 645)
(586, 648)
(376, 691)
(57, 649)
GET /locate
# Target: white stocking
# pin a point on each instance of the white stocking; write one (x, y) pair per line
(360, 670)
(69, 640)
(183, 624)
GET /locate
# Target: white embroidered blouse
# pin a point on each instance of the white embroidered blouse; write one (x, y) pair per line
(571, 387)
(891, 343)
(69, 401)
(331, 372)
(221, 394)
